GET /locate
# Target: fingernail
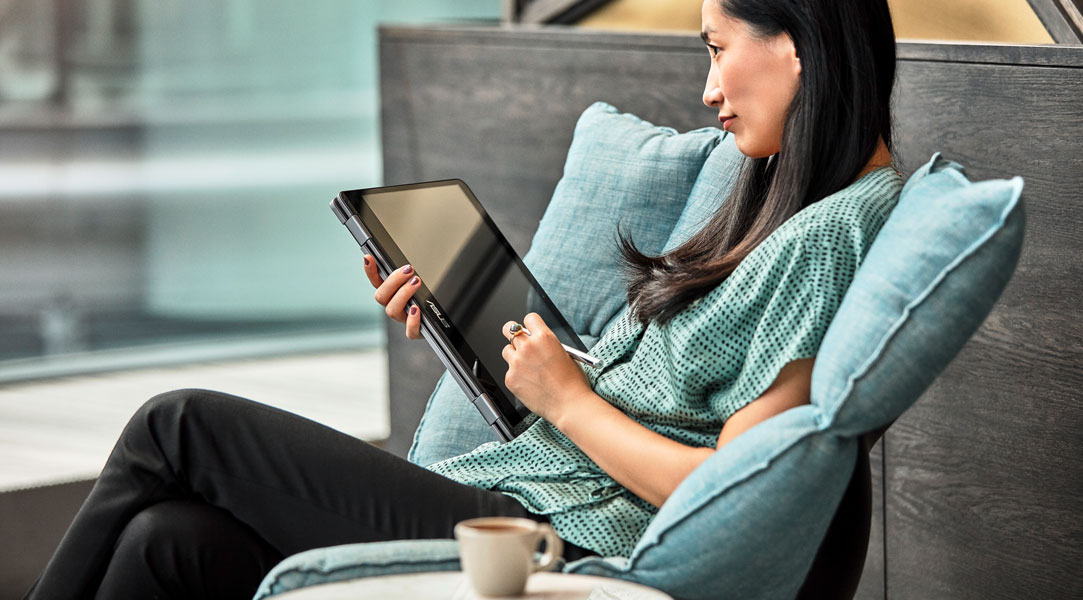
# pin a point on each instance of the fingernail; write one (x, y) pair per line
(413, 309)
(366, 260)
(407, 269)
(415, 281)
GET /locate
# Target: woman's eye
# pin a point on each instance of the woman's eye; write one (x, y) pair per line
(714, 50)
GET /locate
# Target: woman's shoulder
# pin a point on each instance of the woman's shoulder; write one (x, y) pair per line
(872, 196)
(831, 235)
(856, 212)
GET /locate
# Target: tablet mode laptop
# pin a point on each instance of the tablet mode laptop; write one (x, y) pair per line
(472, 283)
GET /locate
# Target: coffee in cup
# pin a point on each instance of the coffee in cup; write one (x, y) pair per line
(497, 553)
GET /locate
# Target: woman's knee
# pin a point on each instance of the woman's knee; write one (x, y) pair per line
(190, 549)
(153, 527)
(178, 401)
(171, 407)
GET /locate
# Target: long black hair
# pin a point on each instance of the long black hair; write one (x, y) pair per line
(841, 110)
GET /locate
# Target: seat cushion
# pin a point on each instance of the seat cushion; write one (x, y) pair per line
(353, 561)
(620, 171)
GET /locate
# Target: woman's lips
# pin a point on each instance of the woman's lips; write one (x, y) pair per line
(725, 121)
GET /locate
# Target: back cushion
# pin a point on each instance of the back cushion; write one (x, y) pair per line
(713, 185)
(620, 171)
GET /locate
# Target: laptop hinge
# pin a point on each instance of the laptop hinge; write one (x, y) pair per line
(485, 406)
(341, 209)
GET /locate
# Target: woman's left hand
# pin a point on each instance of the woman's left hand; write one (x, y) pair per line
(540, 373)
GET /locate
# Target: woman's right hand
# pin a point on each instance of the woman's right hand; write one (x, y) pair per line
(394, 292)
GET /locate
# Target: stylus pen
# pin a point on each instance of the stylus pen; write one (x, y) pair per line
(582, 357)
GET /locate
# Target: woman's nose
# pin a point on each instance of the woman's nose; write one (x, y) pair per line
(712, 92)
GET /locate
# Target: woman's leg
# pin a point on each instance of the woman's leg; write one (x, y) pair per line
(186, 549)
(295, 483)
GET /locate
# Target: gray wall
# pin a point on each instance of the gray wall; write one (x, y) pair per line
(977, 489)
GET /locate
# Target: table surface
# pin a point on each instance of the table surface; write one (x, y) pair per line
(452, 585)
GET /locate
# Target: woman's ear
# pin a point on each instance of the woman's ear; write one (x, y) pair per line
(787, 51)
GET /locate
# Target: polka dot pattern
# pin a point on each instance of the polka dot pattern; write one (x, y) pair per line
(685, 378)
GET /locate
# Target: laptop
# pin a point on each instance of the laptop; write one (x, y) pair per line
(472, 283)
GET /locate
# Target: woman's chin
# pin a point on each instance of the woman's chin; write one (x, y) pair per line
(751, 149)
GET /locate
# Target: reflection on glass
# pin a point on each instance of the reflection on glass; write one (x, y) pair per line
(165, 169)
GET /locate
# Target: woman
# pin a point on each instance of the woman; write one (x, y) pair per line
(205, 492)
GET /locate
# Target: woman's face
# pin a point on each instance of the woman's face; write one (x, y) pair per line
(752, 81)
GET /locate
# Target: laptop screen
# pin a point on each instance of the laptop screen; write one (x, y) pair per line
(473, 280)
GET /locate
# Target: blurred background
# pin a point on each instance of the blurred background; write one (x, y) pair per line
(165, 168)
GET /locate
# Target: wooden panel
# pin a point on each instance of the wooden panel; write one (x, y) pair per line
(983, 482)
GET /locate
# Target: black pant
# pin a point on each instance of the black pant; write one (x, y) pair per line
(205, 492)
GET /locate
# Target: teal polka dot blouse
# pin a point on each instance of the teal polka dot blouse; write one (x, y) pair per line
(685, 378)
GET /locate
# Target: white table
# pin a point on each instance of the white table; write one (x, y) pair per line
(452, 585)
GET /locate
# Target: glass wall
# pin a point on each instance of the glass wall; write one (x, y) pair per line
(165, 171)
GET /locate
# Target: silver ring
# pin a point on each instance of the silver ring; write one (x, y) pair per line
(516, 329)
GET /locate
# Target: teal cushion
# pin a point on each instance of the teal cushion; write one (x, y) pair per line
(929, 280)
(620, 170)
(713, 185)
(353, 561)
(748, 521)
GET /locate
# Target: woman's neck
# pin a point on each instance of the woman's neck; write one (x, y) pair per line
(880, 158)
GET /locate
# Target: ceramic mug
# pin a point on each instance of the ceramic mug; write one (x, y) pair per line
(497, 553)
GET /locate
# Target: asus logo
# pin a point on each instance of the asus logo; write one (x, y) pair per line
(439, 315)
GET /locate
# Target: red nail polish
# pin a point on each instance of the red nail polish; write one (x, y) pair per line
(407, 270)
(366, 260)
(413, 310)
(415, 281)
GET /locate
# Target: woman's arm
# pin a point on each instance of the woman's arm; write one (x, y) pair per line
(548, 382)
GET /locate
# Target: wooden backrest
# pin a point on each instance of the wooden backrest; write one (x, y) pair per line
(977, 487)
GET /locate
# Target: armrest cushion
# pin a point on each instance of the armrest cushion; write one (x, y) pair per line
(747, 522)
(929, 280)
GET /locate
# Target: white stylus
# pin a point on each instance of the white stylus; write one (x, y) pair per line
(582, 357)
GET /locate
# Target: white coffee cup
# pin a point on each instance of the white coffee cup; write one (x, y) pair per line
(497, 553)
